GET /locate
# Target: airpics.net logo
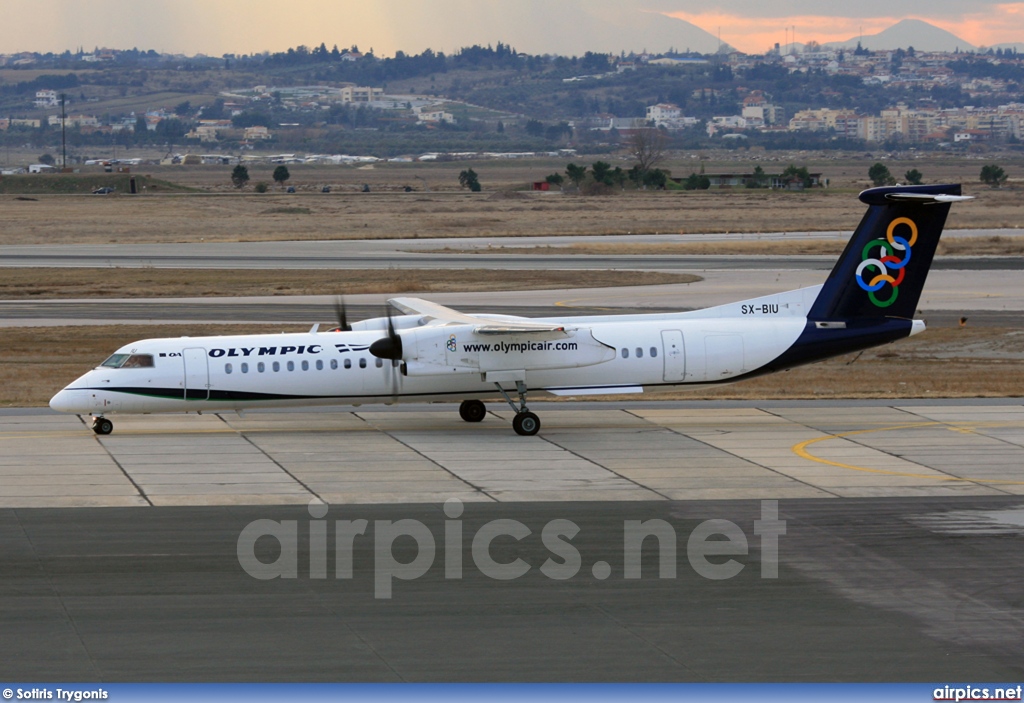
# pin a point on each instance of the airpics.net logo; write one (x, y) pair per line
(710, 547)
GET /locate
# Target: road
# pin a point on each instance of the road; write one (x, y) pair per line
(407, 253)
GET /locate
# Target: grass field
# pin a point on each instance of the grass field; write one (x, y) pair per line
(233, 216)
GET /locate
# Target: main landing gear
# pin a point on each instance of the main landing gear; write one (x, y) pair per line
(524, 423)
(472, 411)
(102, 426)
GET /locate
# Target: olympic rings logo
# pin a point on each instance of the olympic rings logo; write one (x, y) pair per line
(452, 345)
(893, 255)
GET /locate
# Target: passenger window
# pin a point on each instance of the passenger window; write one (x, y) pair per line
(379, 363)
(227, 368)
(362, 363)
(348, 363)
(245, 367)
(654, 352)
(639, 352)
(291, 365)
(261, 367)
(276, 366)
(334, 364)
(319, 365)
(625, 353)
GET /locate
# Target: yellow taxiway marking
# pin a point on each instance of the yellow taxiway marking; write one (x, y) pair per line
(800, 449)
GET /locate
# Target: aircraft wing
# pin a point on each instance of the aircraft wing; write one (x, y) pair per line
(481, 324)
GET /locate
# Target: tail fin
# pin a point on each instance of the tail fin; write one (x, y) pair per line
(882, 271)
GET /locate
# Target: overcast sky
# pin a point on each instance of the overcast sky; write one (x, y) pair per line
(217, 27)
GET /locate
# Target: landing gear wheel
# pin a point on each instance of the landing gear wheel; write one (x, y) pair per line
(526, 424)
(472, 410)
(102, 425)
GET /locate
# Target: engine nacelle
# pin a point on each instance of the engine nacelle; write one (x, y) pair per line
(451, 349)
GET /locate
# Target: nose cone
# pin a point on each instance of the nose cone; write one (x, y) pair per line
(68, 401)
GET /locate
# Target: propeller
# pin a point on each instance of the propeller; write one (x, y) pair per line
(341, 313)
(390, 349)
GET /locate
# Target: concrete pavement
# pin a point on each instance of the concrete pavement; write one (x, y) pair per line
(607, 452)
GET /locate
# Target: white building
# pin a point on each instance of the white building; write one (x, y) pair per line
(732, 122)
(435, 116)
(663, 112)
(46, 98)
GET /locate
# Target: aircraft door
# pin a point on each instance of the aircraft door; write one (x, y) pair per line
(675, 359)
(197, 374)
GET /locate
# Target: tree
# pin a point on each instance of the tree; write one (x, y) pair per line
(47, 159)
(601, 172)
(468, 179)
(555, 179)
(794, 173)
(281, 175)
(619, 177)
(694, 181)
(647, 146)
(261, 187)
(240, 176)
(913, 177)
(759, 180)
(576, 174)
(535, 128)
(993, 175)
(879, 175)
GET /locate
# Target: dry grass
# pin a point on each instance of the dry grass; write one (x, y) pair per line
(952, 363)
(344, 213)
(47, 283)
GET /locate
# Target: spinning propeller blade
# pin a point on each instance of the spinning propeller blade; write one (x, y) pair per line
(341, 313)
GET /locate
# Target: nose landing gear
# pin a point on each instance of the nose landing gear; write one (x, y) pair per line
(102, 426)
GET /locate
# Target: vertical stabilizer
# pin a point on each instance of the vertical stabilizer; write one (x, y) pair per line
(882, 271)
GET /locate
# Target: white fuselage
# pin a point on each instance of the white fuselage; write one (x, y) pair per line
(603, 354)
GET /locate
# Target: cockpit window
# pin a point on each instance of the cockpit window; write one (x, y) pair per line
(129, 361)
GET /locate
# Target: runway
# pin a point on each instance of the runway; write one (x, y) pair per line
(413, 253)
(989, 298)
(888, 589)
(626, 451)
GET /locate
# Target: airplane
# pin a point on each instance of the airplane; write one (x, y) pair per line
(432, 353)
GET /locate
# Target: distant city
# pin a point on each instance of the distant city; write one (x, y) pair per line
(481, 99)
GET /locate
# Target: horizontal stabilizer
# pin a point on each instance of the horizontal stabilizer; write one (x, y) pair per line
(925, 198)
